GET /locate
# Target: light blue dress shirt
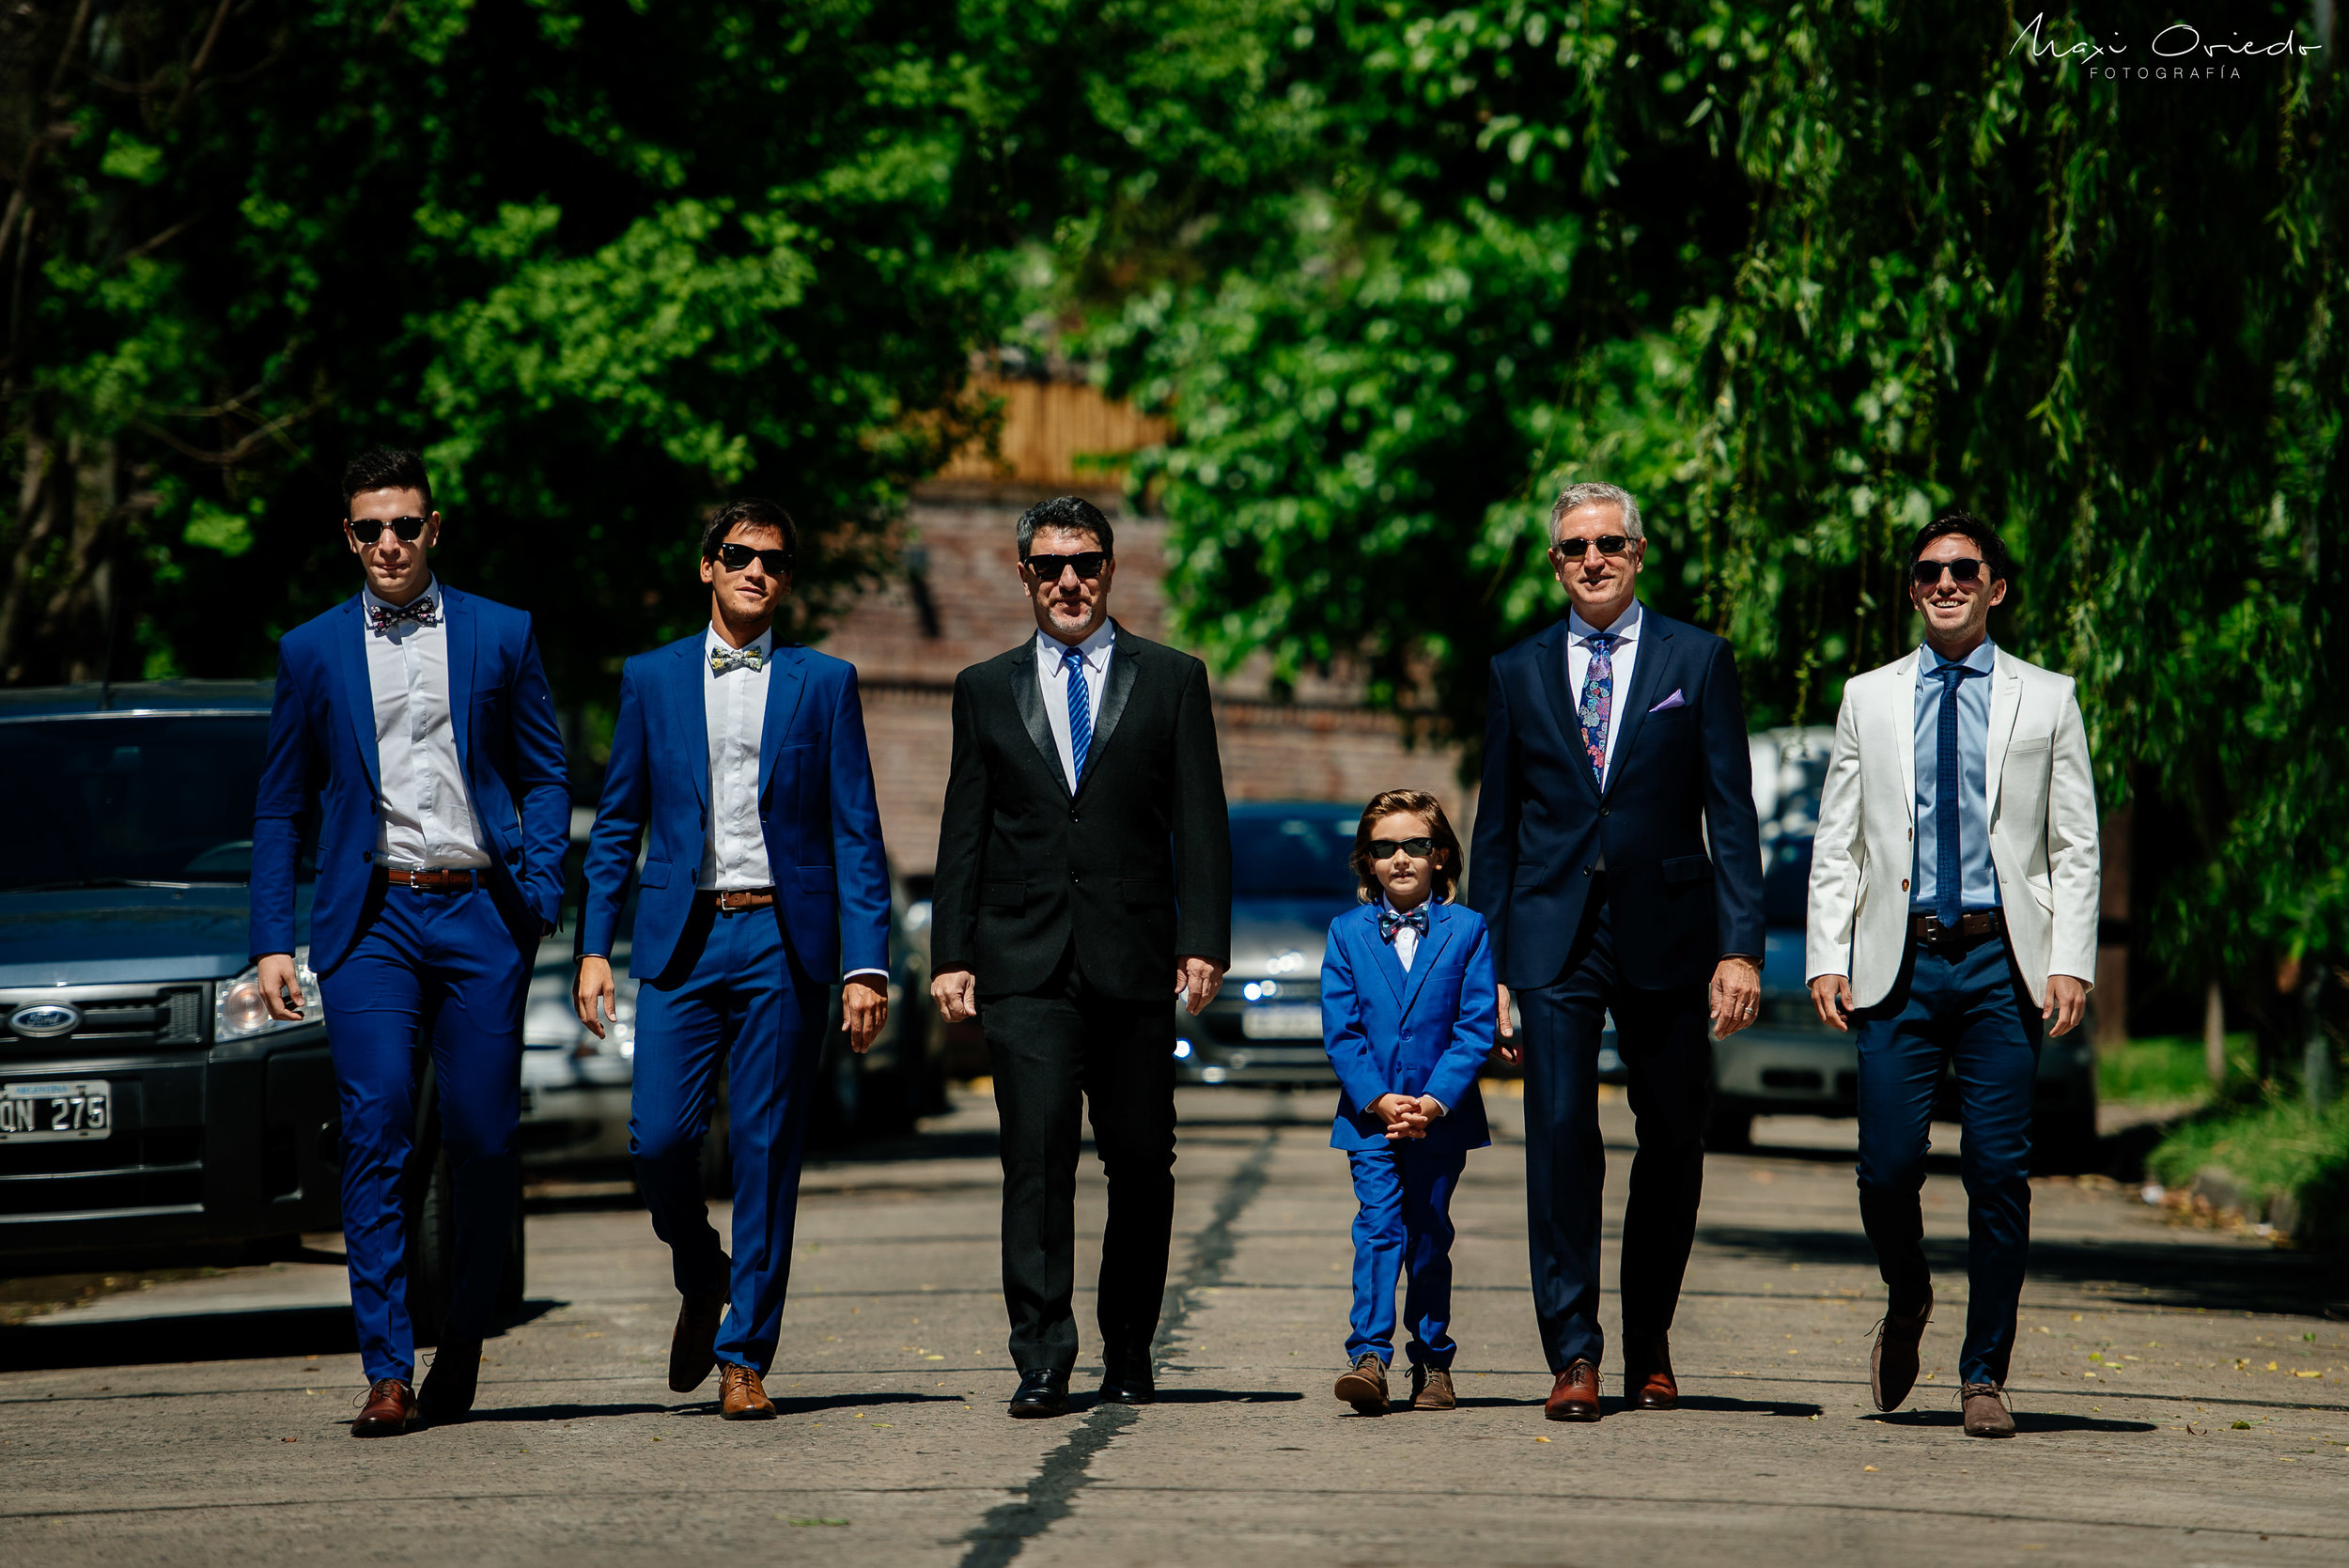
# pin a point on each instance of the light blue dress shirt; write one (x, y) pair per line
(1978, 880)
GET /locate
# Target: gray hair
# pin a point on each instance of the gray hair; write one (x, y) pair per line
(1071, 513)
(1584, 495)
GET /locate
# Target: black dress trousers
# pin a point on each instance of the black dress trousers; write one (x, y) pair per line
(1049, 1048)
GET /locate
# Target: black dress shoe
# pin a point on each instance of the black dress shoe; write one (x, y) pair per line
(1041, 1393)
(1128, 1385)
(448, 1389)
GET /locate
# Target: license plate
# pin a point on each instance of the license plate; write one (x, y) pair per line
(47, 1112)
(1283, 1021)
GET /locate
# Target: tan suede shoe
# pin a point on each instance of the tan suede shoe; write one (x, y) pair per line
(1431, 1388)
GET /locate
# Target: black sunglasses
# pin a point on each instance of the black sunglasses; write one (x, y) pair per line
(1607, 544)
(1928, 573)
(368, 530)
(1418, 848)
(1048, 567)
(737, 557)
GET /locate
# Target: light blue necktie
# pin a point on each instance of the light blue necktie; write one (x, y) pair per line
(1080, 714)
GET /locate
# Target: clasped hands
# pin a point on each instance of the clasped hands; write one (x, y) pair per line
(1406, 1115)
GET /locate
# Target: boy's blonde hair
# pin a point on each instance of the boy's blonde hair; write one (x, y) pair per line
(1419, 803)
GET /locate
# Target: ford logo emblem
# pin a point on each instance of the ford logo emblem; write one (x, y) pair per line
(46, 1018)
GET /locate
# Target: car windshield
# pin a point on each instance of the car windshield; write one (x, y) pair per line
(106, 801)
(1299, 855)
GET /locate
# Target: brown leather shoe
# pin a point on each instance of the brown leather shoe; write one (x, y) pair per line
(743, 1395)
(1363, 1386)
(390, 1406)
(1431, 1388)
(692, 1344)
(1986, 1415)
(1647, 1378)
(1574, 1396)
(1892, 1364)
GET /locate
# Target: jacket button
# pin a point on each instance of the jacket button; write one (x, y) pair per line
(1074, 817)
(1586, 871)
(1903, 884)
(1074, 877)
(1602, 811)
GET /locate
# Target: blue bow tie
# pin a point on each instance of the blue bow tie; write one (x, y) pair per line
(723, 659)
(1390, 923)
(421, 610)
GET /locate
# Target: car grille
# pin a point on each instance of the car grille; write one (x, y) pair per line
(114, 1017)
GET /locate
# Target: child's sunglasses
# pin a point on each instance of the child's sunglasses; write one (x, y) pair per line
(1418, 848)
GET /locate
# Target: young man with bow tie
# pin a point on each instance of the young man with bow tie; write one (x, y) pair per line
(415, 722)
(1954, 901)
(765, 880)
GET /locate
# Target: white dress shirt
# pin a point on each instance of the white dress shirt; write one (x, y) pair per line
(1051, 675)
(1627, 650)
(734, 714)
(424, 814)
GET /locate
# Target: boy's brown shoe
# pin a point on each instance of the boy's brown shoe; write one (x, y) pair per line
(1431, 1388)
(1364, 1385)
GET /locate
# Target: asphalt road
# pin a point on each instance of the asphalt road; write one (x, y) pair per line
(202, 1421)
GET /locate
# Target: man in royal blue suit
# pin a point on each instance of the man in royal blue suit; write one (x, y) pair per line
(765, 879)
(1618, 863)
(415, 722)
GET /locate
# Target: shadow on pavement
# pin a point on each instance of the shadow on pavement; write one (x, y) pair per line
(556, 1413)
(259, 1334)
(1794, 1409)
(2025, 1421)
(813, 1405)
(1213, 1396)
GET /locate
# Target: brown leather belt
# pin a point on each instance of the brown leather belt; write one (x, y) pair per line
(727, 900)
(432, 882)
(1928, 931)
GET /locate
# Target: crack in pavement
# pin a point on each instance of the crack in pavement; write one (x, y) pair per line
(1050, 1494)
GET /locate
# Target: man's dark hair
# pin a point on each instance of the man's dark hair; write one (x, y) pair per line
(386, 468)
(1966, 525)
(1071, 512)
(755, 512)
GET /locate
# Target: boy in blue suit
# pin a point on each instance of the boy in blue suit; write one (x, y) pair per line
(415, 723)
(765, 880)
(1407, 1017)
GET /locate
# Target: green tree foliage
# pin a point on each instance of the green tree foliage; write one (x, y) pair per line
(603, 262)
(1802, 277)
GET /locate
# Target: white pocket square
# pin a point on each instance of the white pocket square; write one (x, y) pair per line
(1675, 700)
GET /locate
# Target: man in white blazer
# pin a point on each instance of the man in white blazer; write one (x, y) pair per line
(1954, 916)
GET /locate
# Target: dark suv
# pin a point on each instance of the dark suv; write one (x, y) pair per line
(149, 1108)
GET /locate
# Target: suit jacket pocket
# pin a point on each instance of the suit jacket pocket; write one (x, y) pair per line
(1146, 893)
(2022, 743)
(1683, 869)
(1528, 877)
(655, 875)
(1002, 895)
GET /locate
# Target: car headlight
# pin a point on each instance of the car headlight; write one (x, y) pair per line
(238, 1012)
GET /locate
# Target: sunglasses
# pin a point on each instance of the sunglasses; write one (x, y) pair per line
(1928, 573)
(1418, 848)
(738, 557)
(368, 530)
(1606, 544)
(1086, 564)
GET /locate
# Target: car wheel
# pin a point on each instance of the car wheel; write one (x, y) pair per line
(431, 1238)
(1730, 1128)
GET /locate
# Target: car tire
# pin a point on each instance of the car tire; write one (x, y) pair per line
(1729, 1129)
(431, 1237)
(513, 1282)
(2064, 1144)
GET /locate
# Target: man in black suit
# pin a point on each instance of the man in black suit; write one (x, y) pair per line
(1618, 864)
(1084, 857)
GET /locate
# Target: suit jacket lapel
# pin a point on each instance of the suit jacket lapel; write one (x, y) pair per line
(1551, 661)
(1900, 717)
(1121, 686)
(785, 684)
(1648, 673)
(1382, 952)
(2006, 701)
(462, 630)
(1431, 946)
(692, 712)
(1025, 693)
(359, 690)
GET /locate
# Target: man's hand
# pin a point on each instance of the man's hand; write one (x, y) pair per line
(863, 1008)
(591, 996)
(279, 974)
(1508, 1050)
(1831, 995)
(2067, 1003)
(1403, 1114)
(1737, 995)
(957, 993)
(1197, 980)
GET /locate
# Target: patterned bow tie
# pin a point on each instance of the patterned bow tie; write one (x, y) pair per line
(1390, 923)
(723, 659)
(421, 610)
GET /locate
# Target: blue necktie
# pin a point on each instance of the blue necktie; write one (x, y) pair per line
(1949, 889)
(1080, 715)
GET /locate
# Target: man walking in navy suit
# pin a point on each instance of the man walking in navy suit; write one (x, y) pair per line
(414, 721)
(764, 877)
(1618, 864)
